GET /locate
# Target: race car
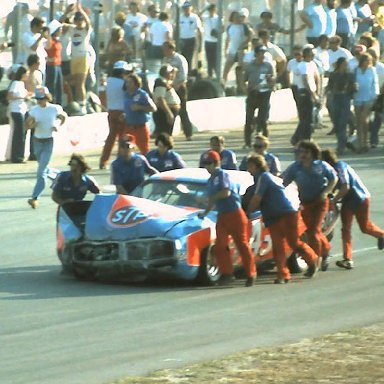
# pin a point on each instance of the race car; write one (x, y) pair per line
(156, 232)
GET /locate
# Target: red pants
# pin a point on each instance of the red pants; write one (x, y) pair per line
(286, 229)
(116, 129)
(365, 224)
(313, 214)
(233, 224)
(141, 135)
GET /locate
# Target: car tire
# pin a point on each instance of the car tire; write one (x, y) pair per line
(208, 273)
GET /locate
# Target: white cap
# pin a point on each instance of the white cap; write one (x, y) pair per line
(53, 26)
(121, 64)
(244, 12)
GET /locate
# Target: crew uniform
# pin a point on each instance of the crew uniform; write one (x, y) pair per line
(281, 217)
(130, 173)
(272, 161)
(227, 159)
(311, 183)
(169, 160)
(231, 221)
(65, 189)
(355, 203)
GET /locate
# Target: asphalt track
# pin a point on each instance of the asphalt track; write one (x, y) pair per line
(56, 329)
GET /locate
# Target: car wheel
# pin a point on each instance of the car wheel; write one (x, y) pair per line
(296, 264)
(208, 273)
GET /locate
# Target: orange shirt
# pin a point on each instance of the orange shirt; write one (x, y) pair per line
(54, 53)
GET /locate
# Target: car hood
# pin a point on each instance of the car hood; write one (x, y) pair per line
(121, 217)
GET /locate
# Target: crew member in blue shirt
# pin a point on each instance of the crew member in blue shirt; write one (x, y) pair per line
(280, 216)
(73, 185)
(137, 106)
(315, 180)
(355, 201)
(129, 168)
(231, 220)
(164, 158)
(260, 147)
(227, 157)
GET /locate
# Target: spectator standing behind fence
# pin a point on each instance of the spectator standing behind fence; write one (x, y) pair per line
(259, 77)
(117, 49)
(166, 100)
(346, 29)
(365, 17)
(179, 62)
(160, 32)
(128, 31)
(45, 118)
(367, 90)
(330, 10)
(17, 97)
(137, 22)
(190, 34)
(315, 18)
(212, 30)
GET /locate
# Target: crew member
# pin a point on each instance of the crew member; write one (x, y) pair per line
(280, 216)
(74, 184)
(227, 157)
(355, 201)
(129, 168)
(231, 221)
(315, 179)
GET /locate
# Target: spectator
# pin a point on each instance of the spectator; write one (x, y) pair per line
(355, 201)
(227, 157)
(357, 50)
(166, 100)
(322, 55)
(190, 34)
(212, 29)
(17, 97)
(129, 168)
(54, 80)
(315, 179)
(293, 74)
(370, 42)
(281, 216)
(137, 106)
(340, 90)
(115, 91)
(117, 49)
(315, 18)
(160, 32)
(367, 90)
(365, 17)
(164, 158)
(346, 16)
(179, 62)
(128, 31)
(249, 55)
(138, 23)
(65, 40)
(231, 221)
(74, 184)
(330, 10)
(308, 95)
(260, 79)
(260, 147)
(335, 51)
(44, 118)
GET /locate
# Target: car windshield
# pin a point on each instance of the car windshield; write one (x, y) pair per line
(173, 192)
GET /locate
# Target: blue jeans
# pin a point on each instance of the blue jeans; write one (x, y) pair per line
(341, 110)
(18, 138)
(43, 152)
(54, 83)
(305, 113)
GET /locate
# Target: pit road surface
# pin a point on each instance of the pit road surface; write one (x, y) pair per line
(56, 329)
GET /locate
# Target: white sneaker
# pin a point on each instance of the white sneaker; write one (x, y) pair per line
(347, 264)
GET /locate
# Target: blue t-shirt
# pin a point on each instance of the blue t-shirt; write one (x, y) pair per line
(136, 117)
(310, 182)
(65, 188)
(169, 160)
(272, 161)
(274, 199)
(227, 159)
(358, 192)
(345, 22)
(318, 17)
(130, 173)
(217, 182)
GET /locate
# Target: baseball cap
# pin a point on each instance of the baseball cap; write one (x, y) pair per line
(127, 142)
(244, 12)
(121, 64)
(187, 4)
(41, 93)
(210, 156)
(53, 26)
(260, 48)
(266, 12)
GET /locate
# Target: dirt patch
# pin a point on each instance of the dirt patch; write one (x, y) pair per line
(352, 357)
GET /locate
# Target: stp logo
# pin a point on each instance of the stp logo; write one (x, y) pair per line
(127, 217)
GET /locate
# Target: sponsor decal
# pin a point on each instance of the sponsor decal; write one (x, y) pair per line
(127, 216)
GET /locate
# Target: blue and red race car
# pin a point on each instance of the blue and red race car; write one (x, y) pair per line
(157, 233)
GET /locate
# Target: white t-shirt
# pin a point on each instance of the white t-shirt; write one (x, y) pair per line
(250, 56)
(19, 90)
(380, 73)
(210, 23)
(237, 36)
(170, 96)
(189, 26)
(81, 39)
(292, 67)
(158, 32)
(45, 119)
(29, 39)
(309, 69)
(322, 56)
(115, 94)
(334, 55)
(136, 22)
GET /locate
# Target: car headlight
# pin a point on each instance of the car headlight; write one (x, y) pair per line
(181, 249)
